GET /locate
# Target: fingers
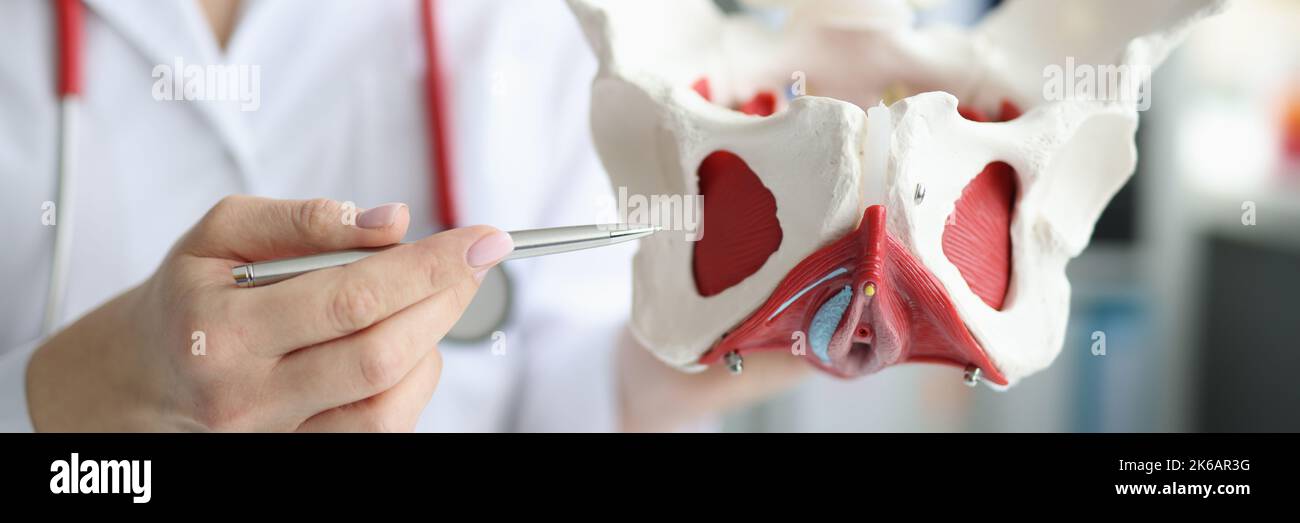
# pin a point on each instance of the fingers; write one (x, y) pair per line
(247, 228)
(372, 361)
(328, 304)
(395, 410)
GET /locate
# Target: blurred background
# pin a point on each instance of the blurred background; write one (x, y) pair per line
(1193, 273)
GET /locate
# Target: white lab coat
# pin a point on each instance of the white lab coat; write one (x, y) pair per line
(341, 116)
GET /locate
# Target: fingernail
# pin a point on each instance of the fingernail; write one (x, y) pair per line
(379, 217)
(489, 249)
(482, 273)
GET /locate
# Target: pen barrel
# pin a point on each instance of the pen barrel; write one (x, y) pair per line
(536, 242)
(268, 272)
(540, 242)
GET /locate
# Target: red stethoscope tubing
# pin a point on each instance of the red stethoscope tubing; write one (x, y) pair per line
(67, 25)
(69, 21)
(436, 106)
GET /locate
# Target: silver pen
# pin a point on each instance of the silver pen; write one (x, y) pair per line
(529, 243)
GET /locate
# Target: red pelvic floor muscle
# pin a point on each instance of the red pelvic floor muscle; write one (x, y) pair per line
(910, 309)
(977, 237)
(740, 226)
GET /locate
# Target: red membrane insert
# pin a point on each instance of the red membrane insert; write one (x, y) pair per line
(739, 224)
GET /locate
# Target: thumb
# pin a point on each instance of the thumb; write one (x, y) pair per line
(248, 228)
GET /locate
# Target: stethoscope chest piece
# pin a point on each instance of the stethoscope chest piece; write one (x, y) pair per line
(489, 310)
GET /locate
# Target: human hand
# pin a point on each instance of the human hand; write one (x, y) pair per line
(341, 349)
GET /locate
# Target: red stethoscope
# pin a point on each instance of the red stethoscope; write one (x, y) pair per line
(491, 306)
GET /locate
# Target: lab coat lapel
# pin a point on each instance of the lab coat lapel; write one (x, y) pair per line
(163, 31)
